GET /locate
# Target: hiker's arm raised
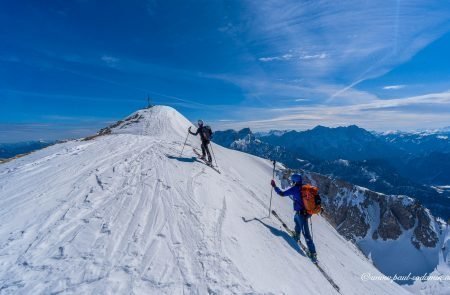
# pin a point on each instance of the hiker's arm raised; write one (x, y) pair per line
(288, 192)
(193, 132)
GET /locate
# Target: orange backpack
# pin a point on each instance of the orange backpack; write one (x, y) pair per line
(311, 199)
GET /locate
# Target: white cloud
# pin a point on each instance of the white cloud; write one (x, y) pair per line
(314, 56)
(393, 87)
(352, 40)
(110, 60)
(276, 58)
(410, 113)
(317, 92)
(290, 56)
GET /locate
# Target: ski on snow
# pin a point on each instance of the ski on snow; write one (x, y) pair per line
(204, 161)
(327, 277)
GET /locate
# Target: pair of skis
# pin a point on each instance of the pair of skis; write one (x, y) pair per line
(210, 164)
(316, 263)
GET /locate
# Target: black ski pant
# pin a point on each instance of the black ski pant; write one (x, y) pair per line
(205, 149)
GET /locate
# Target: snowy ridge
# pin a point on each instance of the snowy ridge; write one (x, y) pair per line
(123, 213)
(156, 121)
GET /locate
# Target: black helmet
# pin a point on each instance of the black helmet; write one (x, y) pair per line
(200, 123)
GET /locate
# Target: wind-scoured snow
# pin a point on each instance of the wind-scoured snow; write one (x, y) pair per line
(125, 214)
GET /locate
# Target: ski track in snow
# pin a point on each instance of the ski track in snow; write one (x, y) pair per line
(111, 207)
(123, 214)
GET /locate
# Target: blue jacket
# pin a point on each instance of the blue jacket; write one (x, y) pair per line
(295, 194)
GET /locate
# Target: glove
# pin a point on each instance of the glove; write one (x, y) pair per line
(303, 212)
(317, 200)
(272, 183)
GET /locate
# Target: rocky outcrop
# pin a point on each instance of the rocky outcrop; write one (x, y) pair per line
(423, 233)
(119, 124)
(389, 227)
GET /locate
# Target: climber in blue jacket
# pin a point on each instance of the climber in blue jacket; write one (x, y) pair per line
(301, 216)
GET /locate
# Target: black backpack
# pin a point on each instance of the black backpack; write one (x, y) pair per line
(207, 132)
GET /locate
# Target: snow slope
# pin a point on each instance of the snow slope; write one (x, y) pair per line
(124, 213)
(438, 280)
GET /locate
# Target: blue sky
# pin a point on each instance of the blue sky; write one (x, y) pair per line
(67, 68)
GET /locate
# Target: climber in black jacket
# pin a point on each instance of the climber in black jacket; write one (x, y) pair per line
(205, 136)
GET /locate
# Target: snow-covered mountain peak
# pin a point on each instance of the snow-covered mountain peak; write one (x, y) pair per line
(155, 121)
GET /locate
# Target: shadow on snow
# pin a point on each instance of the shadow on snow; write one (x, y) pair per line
(278, 233)
(183, 159)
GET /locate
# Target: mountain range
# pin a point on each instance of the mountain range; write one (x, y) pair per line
(415, 164)
(9, 150)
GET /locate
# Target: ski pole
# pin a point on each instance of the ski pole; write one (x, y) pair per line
(184, 144)
(214, 156)
(271, 191)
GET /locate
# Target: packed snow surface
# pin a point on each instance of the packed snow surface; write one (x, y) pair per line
(126, 214)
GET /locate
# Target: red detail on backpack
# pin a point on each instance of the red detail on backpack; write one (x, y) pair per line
(311, 199)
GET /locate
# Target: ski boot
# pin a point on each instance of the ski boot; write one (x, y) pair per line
(313, 257)
(296, 237)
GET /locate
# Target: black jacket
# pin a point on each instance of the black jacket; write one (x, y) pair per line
(201, 132)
